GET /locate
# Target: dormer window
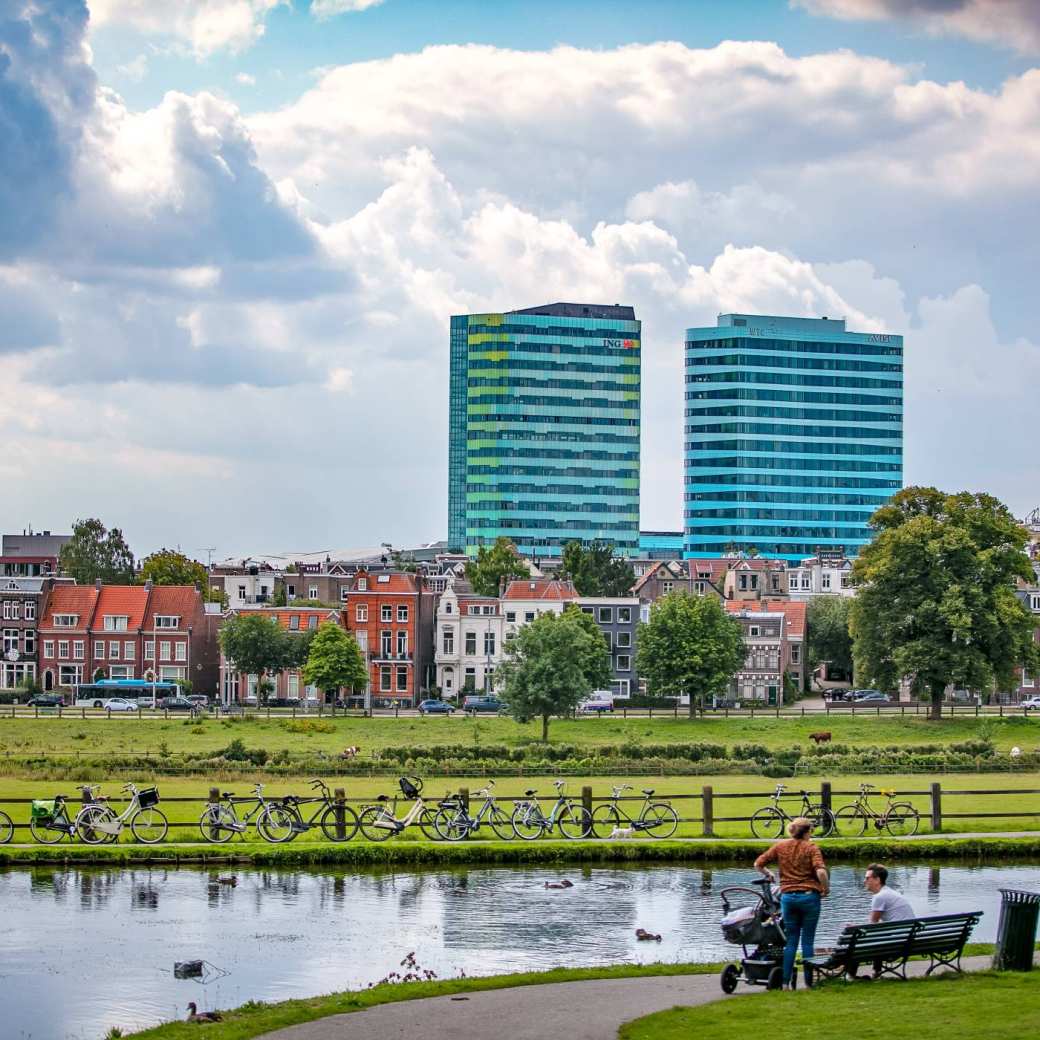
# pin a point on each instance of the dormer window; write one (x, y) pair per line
(294, 622)
(447, 606)
(66, 620)
(116, 623)
(362, 584)
(167, 621)
(383, 579)
(474, 610)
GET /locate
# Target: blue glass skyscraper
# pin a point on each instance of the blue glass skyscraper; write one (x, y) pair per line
(544, 428)
(793, 434)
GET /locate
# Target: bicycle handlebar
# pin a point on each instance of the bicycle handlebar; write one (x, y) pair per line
(559, 784)
(88, 788)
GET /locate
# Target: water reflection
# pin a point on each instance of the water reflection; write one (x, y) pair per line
(294, 933)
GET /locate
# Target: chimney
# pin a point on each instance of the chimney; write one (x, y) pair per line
(148, 585)
(97, 583)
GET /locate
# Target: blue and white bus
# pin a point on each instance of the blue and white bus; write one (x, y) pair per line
(143, 691)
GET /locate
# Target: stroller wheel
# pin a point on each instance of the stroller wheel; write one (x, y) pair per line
(730, 977)
(776, 978)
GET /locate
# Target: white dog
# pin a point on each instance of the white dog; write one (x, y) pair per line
(622, 832)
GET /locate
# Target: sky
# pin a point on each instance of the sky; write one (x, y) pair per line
(232, 233)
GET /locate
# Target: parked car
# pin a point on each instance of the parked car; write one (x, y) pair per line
(283, 702)
(200, 700)
(120, 704)
(473, 704)
(435, 707)
(598, 702)
(46, 700)
(1031, 703)
(177, 704)
(249, 700)
(871, 697)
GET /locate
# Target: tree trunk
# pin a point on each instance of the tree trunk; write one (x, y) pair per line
(693, 707)
(545, 729)
(937, 691)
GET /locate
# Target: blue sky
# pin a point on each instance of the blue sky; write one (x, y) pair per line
(232, 233)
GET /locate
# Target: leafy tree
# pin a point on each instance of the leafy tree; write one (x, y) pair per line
(689, 646)
(494, 563)
(334, 660)
(168, 567)
(936, 601)
(96, 552)
(279, 598)
(827, 636)
(552, 664)
(595, 570)
(257, 644)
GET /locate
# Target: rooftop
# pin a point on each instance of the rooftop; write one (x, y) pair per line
(581, 310)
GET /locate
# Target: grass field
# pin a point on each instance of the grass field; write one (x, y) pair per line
(970, 1007)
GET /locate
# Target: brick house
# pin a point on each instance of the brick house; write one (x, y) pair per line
(23, 602)
(392, 615)
(774, 649)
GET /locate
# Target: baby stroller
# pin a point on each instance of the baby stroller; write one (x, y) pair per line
(757, 925)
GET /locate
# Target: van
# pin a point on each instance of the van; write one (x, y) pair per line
(598, 701)
(474, 704)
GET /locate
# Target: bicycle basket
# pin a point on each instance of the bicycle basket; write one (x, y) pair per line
(410, 786)
(42, 809)
(148, 797)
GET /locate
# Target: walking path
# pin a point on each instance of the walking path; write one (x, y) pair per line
(577, 1010)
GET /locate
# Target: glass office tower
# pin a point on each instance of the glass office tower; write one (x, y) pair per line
(793, 435)
(544, 428)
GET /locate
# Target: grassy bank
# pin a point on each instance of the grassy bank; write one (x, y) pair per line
(966, 1006)
(440, 854)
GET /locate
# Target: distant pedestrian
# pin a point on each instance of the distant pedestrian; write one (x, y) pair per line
(803, 884)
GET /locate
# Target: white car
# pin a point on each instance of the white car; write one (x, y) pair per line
(1031, 702)
(120, 704)
(598, 702)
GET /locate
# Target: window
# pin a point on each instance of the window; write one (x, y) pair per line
(164, 650)
(826, 582)
(70, 674)
(606, 615)
(624, 615)
(774, 659)
(361, 612)
(10, 640)
(312, 621)
(1034, 601)
(290, 592)
(448, 641)
(30, 610)
(474, 610)
(386, 642)
(181, 652)
(63, 649)
(471, 644)
(743, 582)
(796, 654)
(489, 680)
(845, 584)
(362, 640)
(48, 648)
(78, 650)
(386, 612)
(588, 610)
(65, 620)
(16, 610)
(402, 642)
(99, 648)
(119, 671)
(30, 642)
(623, 639)
(241, 592)
(149, 651)
(471, 679)
(402, 613)
(489, 643)
(129, 651)
(344, 592)
(402, 678)
(774, 581)
(113, 650)
(384, 678)
(171, 673)
(666, 587)
(166, 621)
(511, 617)
(753, 631)
(362, 584)
(608, 639)
(293, 685)
(294, 622)
(805, 581)
(620, 687)
(383, 579)
(528, 615)
(312, 591)
(447, 606)
(624, 662)
(1027, 679)
(8, 607)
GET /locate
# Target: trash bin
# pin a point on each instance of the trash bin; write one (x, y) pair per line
(1016, 930)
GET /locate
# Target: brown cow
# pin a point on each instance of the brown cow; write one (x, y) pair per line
(822, 737)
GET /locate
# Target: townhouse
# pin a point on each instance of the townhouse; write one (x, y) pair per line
(828, 573)
(469, 640)
(618, 620)
(23, 602)
(31, 554)
(524, 599)
(774, 632)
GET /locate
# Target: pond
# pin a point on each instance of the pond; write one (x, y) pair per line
(82, 950)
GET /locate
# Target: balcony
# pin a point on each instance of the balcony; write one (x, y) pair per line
(381, 658)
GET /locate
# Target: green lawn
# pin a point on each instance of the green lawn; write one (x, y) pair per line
(971, 1007)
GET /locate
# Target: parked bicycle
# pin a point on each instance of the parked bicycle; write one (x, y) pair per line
(770, 820)
(97, 821)
(898, 818)
(658, 819)
(573, 820)
(338, 822)
(453, 821)
(379, 822)
(6, 828)
(49, 820)
(220, 822)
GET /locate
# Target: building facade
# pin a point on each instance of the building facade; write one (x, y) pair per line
(23, 601)
(31, 554)
(544, 428)
(618, 620)
(793, 434)
(827, 573)
(468, 642)
(761, 679)
(523, 600)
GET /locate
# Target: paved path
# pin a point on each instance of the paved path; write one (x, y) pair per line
(577, 1010)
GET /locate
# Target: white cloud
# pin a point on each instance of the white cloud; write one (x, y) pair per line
(330, 8)
(1013, 23)
(245, 79)
(135, 70)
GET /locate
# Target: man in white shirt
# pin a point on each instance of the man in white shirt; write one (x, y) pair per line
(886, 904)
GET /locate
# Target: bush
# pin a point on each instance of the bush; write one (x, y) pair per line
(308, 726)
(974, 748)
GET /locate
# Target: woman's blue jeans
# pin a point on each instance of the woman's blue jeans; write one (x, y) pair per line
(801, 912)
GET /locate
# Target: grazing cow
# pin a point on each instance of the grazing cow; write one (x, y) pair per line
(350, 752)
(822, 737)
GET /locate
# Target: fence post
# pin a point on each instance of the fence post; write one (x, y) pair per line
(586, 804)
(707, 812)
(936, 807)
(340, 797)
(825, 795)
(675, 709)
(214, 799)
(464, 799)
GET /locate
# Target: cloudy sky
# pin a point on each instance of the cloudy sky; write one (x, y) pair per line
(232, 233)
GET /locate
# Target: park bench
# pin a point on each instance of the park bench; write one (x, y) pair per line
(893, 943)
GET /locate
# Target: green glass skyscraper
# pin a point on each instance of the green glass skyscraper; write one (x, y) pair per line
(793, 434)
(544, 428)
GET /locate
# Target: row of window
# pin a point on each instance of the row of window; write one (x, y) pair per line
(469, 642)
(496, 433)
(512, 382)
(550, 401)
(581, 472)
(515, 364)
(802, 498)
(569, 420)
(778, 514)
(503, 506)
(743, 375)
(18, 640)
(762, 411)
(766, 548)
(116, 651)
(782, 361)
(386, 610)
(818, 465)
(473, 491)
(387, 674)
(779, 480)
(794, 447)
(795, 345)
(802, 396)
(751, 531)
(848, 432)
(16, 610)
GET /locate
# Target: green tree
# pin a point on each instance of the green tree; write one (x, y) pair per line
(168, 567)
(936, 603)
(551, 665)
(493, 564)
(689, 646)
(257, 644)
(95, 552)
(827, 636)
(334, 660)
(595, 570)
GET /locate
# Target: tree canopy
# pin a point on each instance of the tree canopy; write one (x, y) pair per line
(492, 565)
(689, 646)
(257, 644)
(169, 567)
(595, 570)
(936, 603)
(827, 633)
(96, 552)
(334, 660)
(552, 664)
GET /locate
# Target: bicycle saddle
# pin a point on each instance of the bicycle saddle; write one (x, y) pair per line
(887, 793)
(649, 793)
(382, 797)
(529, 794)
(227, 794)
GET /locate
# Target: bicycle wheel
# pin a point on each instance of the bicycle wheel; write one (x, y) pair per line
(850, 821)
(451, 824)
(660, 820)
(86, 820)
(902, 819)
(6, 828)
(330, 823)
(427, 821)
(768, 823)
(217, 824)
(368, 824)
(149, 826)
(575, 821)
(822, 821)
(502, 825)
(527, 822)
(275, 824)
(49, 831)
(605, 819)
